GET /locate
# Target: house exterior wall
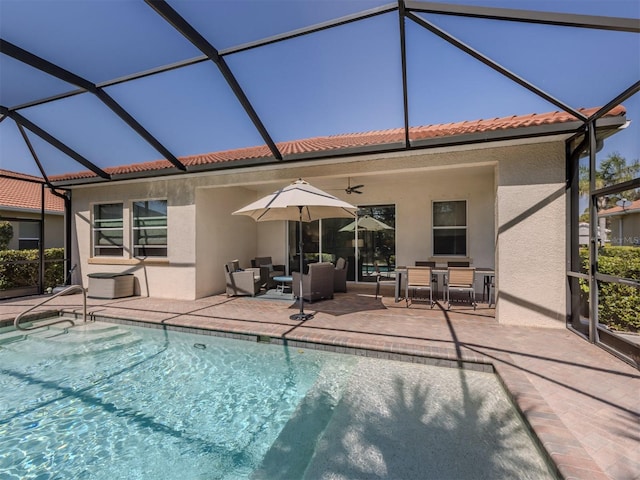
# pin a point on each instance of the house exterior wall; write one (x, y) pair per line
(531, 247)
(221, 237)
(516, 219)
(173, 277)
(53, 227)
(625, 229)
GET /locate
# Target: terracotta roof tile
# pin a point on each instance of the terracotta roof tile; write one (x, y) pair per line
(347, 140)
(18, 193)
(634, 206)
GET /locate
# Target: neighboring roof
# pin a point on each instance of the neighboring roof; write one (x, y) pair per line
(634, 207)
(23, 193)
(318, 147)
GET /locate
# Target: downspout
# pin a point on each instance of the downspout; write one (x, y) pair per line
(67, 229)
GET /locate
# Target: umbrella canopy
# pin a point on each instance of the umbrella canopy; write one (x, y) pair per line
(285, 204)
(366, 223)
(305, 203)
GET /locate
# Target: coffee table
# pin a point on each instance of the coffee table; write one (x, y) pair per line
(284, 282)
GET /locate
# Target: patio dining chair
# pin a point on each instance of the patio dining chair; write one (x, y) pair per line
(419, 279)
(386, 278)
(492, 291)
(434, 276)
(453, 263)
(460, 280)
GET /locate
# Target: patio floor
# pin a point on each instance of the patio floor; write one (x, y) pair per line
(581, 402)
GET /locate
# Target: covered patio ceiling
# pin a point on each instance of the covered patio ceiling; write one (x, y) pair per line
(93, 85)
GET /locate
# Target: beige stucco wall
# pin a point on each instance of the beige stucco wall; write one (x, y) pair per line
(53, 227)
(173, 278)
(516, 220)
(220, 236)
(625, 230)
(530, 225)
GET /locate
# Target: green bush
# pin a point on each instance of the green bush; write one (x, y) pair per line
(6, 234)
(19, 268)
(619, 305)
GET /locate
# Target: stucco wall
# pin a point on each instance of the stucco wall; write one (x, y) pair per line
(625, 230)
(530, 225)
(220, 236)
(171, 278)
(516, 220)
(53, 228)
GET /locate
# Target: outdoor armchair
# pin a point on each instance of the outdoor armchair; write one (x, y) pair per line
(268, 271)
(241, 282)
(317, 284)
(340, 275)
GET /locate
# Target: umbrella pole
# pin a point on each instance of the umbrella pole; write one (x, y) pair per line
(301, 316)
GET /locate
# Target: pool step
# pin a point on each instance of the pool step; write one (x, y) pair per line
(71, 341)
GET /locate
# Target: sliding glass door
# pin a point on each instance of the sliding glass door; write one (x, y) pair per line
(367, 243)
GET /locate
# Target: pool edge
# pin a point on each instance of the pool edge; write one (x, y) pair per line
(564, 454)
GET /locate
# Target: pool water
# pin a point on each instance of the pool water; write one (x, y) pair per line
(104, 401)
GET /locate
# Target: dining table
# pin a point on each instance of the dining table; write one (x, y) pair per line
(488, 274)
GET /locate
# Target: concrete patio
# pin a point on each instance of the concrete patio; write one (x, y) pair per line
(580, 401)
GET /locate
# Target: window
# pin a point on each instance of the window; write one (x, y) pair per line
(450, 228)
(29, 235)
(150, 228)
(107, 230)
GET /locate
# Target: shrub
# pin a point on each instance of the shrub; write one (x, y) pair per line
(19, 268)
(6, 234)
(619, 305)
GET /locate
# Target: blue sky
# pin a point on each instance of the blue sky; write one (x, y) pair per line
(346, 79)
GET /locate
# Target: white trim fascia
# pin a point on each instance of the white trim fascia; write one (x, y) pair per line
(301, 163)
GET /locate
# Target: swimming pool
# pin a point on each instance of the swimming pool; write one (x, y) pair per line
(105, 401)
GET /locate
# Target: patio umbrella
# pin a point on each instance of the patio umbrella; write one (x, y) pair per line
(302, 202)
(366, 223)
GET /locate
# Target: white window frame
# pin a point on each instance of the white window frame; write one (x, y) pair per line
(95, 229)
(464, 227)
(133, 229)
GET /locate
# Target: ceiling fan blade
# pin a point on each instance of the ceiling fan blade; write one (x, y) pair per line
(356, 187)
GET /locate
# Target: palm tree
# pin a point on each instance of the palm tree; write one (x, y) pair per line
(612, 170)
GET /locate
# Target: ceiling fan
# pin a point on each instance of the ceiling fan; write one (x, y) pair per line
(354, 189)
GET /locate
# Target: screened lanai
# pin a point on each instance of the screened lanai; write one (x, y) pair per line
(94, 86)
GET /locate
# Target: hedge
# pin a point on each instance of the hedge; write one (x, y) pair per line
(15, 274)
(619, 305)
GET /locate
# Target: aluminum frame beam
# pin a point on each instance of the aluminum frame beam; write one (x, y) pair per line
(50, 139)
(628, 93)
(54, 70)
(403, 59)
(318, 27)
(494, 65)
(172, 17)
(619, 24)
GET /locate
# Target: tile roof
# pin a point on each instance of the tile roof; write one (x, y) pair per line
(349, 140)
(634, 206)
(20, 193)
